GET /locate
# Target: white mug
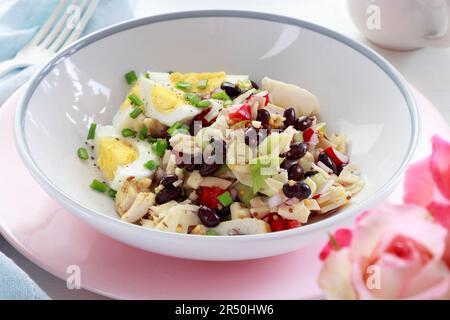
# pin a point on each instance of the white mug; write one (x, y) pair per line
(403, 24)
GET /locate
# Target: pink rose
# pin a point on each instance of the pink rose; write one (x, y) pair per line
(341, 239)
(427, 183)
(395, 253)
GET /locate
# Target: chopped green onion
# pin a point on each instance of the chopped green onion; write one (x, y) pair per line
(160, 147)
(211, 233)
(91, 133)
(244, 85)
(151, 140)
(183, 85)
(135, 113)
(83, 153)
(131, 77)
(193, 98)
(202, 84)
(147, 75)
(135, 100)
(143, 132)
(151, 165)
(203, 104)
(196, 101)
(112, 193)
(227, 103)
(220, 96)
(177, 126)
(99, 186)
(128, 133)
(225, 199)
(170, 71)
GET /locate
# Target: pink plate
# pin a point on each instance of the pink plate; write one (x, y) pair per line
(55, 240)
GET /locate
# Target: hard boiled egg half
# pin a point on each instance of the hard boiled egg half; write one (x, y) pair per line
(119, 158)
(165, 103)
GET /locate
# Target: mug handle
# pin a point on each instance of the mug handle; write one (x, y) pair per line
(440, 40)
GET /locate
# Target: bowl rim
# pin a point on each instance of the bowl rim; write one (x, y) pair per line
(85, 212)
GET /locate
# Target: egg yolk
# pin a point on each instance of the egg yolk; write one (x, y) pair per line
(165, 100)
(126, 103)
(215, 80)
(113, 153)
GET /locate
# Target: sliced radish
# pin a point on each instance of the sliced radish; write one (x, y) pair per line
(240, 112)
(322, 166)
(310, 136)
(262, 98)
(338, 158)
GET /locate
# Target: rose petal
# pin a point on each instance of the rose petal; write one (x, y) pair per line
(419, 185)
(432, 282)
(343, 238)
(384, 223)
(441, 213)
(335, 276)
(398, 279)
(440, 165)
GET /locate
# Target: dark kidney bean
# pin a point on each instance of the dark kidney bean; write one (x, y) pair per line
(220, 149)
(287, 163)
(208, 217)
(254, 84)
(224, 214)
(194, 162)
(289, 115)
(189, 166)
(195, 127)
(251, 137)
(264, 117)
(210, 167)
(297, 151)
(168, 180)
(262, 134)
(310, 174)
(326, 160)
(295, 172)
(299, 190)
(230, 89)
(303, 123)
(254, 137)
(168, 194)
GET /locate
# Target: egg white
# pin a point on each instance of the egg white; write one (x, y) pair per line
(122, 120)
(134, 169)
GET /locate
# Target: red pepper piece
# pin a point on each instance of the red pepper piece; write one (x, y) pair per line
(208, 196)
(240, 112)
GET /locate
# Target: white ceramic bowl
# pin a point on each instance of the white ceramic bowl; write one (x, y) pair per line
(360, 93)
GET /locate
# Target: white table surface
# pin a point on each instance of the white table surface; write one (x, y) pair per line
(426, 69)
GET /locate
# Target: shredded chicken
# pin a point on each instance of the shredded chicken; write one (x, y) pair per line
(128, 191)
(140, 207)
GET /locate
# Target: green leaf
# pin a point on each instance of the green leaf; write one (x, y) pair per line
(262, 168)
(333, 242)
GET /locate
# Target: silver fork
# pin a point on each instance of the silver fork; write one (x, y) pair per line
(57, 32)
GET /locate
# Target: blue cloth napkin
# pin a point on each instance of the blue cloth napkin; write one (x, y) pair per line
(16, 284)
(19, 22)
